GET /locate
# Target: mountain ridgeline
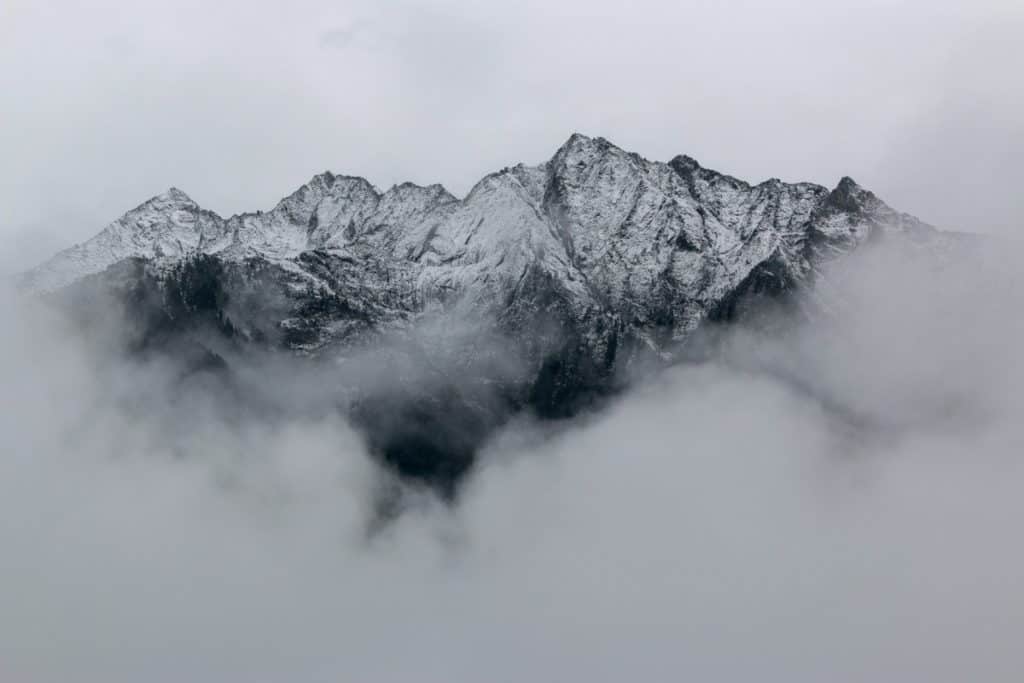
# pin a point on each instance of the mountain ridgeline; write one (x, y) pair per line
(429, 320)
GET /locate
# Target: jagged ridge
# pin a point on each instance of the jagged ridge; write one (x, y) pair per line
(591, 261)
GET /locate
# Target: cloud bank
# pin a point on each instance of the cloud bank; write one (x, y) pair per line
(839, 500)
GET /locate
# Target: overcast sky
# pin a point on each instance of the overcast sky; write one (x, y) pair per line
(849, 514)
(107, 103)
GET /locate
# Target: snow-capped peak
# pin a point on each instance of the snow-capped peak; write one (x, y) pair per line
(593, 213)
(173, 194)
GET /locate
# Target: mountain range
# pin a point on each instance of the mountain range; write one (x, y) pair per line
(543, 289)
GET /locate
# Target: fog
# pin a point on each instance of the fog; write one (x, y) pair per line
(836, 500)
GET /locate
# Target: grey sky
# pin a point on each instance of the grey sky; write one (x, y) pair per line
(716, 525)
(108, 103)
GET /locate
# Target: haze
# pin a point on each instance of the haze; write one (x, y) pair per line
(108, 103)
(839, 501)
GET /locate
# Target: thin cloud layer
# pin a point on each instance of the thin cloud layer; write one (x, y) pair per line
(838, 501)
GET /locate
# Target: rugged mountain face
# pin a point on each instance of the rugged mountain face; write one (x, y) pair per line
(541, 289)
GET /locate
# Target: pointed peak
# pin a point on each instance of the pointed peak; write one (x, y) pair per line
(684, 163)
(172, 197)
(325, 178)
(578, 139)
(440, 190)
(327, 184)
(849, 190)
(582, 149)
(176, 195)
(848, 184)
(849, 196)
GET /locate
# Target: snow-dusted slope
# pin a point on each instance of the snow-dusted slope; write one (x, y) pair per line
(536, 290)
(656, 246)
(169, 226)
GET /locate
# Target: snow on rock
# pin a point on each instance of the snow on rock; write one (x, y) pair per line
(167, 228)
(647, 245)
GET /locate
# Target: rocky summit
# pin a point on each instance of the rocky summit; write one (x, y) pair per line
(430, 319)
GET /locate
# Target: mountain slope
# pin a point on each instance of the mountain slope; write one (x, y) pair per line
(539, 289)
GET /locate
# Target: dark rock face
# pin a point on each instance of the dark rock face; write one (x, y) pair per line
(543, 290)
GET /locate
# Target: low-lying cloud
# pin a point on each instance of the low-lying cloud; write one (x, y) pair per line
(838, 501)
